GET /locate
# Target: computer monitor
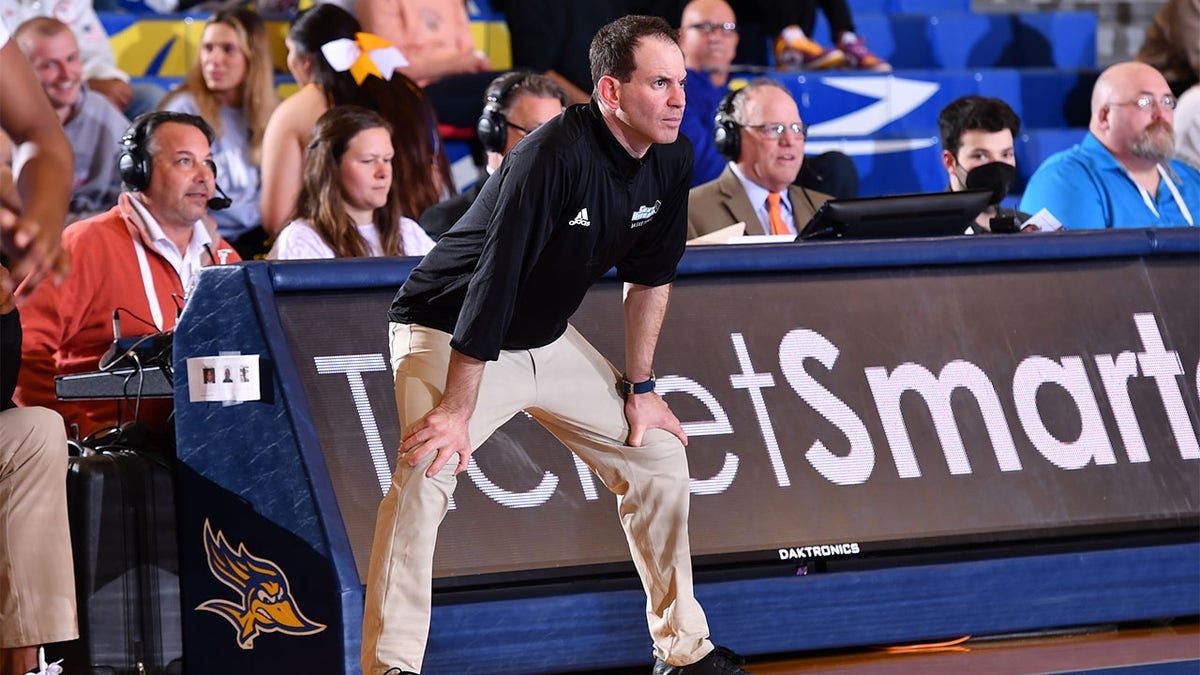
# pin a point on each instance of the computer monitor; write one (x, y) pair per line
(930, 214)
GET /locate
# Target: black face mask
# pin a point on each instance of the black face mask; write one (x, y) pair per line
(995, 176)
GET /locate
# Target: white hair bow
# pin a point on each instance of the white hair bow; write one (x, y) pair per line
(367, 54)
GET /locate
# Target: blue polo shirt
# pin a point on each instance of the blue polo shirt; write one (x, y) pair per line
(699, 120)
(1086, 188)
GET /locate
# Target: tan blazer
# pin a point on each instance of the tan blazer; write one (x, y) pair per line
(722, 202)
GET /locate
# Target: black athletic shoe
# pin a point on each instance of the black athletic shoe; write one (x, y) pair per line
(720, 661)
(397, 671)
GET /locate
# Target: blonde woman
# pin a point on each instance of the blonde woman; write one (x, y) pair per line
(347, 206)
(232, 87)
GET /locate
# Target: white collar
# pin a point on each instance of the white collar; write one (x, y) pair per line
(157, 236)
(757, 193)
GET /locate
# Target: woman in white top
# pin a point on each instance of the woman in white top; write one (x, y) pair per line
(347, 208)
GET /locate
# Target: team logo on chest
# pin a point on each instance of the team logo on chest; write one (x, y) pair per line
(644, 214)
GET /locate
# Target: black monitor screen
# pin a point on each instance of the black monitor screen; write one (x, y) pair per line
(930, 214)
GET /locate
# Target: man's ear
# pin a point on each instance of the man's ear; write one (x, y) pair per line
(608, 91)
(1102, 116)
(948, 161)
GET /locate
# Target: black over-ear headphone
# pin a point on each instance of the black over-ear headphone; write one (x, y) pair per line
(492, 127)
(727, 133)
(135, 163)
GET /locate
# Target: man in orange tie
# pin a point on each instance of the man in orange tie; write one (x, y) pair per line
(760, 132)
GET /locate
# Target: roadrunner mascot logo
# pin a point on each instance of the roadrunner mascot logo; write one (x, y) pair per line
(267, 604)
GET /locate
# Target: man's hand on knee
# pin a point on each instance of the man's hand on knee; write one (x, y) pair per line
(650, 411)
(442, 431)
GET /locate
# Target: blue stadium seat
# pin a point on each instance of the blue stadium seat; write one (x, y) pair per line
(1035, 145)
(858, 7)
(966, 40)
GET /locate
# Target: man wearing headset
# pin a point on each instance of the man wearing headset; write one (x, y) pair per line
(708, 36)
(760, 133)
(515, 104)
(135, 263)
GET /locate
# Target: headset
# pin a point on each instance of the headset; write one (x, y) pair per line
(727, 133)
(492, 127)
(135, 163)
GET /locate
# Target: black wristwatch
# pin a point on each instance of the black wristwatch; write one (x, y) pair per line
(629, 388)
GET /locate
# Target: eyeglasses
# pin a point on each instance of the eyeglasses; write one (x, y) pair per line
(710, 27)
(776, 130)
(1145, 101)
(522, 129)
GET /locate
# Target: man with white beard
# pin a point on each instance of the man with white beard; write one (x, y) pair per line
(1122, 174)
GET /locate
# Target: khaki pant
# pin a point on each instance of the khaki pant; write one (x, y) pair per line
(37, 579)
(569, 388)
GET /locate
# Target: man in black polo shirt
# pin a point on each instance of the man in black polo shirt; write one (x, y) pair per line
(479, 332)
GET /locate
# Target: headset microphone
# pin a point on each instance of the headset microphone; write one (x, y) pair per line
(218, 203)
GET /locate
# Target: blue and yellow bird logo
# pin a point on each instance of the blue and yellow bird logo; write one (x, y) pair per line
(267, 604)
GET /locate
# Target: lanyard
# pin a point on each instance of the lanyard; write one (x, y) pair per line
(1187, 214)
(148, 284)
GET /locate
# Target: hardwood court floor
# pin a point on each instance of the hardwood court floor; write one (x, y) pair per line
(1143, 650)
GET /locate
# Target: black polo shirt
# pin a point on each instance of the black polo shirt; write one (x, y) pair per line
(567, 205)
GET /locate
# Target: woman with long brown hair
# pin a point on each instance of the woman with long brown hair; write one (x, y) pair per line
(348, 207)
(420, 168)
(231, 85)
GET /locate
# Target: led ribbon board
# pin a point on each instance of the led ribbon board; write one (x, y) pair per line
(830, 413)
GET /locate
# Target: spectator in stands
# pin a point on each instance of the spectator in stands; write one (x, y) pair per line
(348, 206)
(1172, 43)
(435, 38)
(37, 582)
(708, 36)
(1122, 174)
(789, 24)
(762, 135)
(140, 259)
(515, 105)
(231, 85)
(92, 123)
(980, 131)
(794, 48)
(99, 64)
(551, 37)
(419, 169)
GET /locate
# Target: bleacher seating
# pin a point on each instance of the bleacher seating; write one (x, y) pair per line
(1042, 63)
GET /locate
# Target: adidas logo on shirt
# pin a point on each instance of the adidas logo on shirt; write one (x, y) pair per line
(581, 218)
